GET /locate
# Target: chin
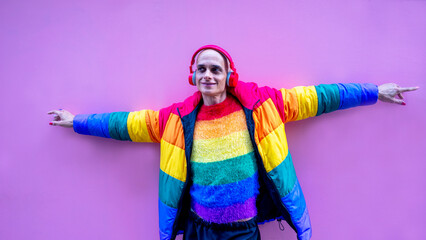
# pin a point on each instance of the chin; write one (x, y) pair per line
(208, 92)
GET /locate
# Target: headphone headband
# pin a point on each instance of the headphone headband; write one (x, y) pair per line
(214, 47)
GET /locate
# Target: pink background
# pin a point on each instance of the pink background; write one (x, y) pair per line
(362, 170)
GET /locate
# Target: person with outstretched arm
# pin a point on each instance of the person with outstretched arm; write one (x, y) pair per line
(225, 166)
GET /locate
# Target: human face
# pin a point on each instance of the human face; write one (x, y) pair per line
(211, 74)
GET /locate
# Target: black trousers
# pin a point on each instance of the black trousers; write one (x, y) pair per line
(199, 229)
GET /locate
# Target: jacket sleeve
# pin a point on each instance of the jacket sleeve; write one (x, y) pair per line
(137, 126)
(303, 102)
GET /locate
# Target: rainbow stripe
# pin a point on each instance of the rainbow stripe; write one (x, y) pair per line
(223, 164)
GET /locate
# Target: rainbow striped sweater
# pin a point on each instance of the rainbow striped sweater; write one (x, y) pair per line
(223, 165)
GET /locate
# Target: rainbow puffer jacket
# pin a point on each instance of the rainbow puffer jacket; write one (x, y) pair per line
(267, 110)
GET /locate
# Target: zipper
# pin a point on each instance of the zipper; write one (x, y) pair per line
(270, 182)
(281, 225)
(180, 203)
(188, 173)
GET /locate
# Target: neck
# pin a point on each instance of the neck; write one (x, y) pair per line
(212, 100)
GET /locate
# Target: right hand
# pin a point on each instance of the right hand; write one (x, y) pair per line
(62, 118)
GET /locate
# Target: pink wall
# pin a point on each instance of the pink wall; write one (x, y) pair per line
(362, 170)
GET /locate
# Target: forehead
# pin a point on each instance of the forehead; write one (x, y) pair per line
(210, 56)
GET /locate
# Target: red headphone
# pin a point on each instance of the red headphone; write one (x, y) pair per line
(231, 79)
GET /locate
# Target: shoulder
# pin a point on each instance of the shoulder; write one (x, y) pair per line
(182, 108)
(249, 93)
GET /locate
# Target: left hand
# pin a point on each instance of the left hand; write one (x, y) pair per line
(388, 91)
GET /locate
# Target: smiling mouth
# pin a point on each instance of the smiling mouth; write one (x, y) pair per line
(208, 83)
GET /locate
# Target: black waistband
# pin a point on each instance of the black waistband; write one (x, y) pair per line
(224, 226)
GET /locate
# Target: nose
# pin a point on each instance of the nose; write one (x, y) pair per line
(208, 74)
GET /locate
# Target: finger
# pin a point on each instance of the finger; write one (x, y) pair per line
(398, 101)
(400, 96)
(54, 123)
(58, 123)
(53, 112)
(55, 116)
(407, 89)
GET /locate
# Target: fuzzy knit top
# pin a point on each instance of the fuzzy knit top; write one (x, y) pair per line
(223, 165)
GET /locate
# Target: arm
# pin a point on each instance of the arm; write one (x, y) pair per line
(303, 102)
(137, 126)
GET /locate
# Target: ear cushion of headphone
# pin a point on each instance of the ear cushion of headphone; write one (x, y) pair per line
(232, 79)
(228, 77)
(191, 79)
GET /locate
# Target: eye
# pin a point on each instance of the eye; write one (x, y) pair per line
(201, 69)
(215, 70)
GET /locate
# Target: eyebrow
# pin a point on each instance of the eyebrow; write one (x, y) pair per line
(214, 65)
